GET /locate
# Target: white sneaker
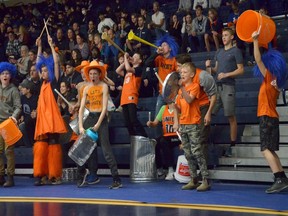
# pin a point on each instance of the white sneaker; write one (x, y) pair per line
(170, 176)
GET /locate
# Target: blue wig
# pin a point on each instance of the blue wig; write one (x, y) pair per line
(171, 42)
(5, 66)
(275, 63)
(47, 62)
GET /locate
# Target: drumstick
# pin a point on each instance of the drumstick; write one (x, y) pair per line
(160, 80)
(60, 95)
(45, 25)
(43, 28)
(149, 116)
(178, 135)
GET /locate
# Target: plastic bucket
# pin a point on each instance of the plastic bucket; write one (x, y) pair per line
(142, 159)
(182, 173)
(10, 132)
(251, 21)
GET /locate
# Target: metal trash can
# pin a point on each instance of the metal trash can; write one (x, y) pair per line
(142, 159)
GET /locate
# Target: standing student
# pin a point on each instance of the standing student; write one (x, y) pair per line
(187, 118)
(271, 68)
(229, 65)
(10, 107)
(47, 164)
(167, 142)
(95, 99)
(130, 93)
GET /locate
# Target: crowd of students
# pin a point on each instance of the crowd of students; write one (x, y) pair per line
(87, 70)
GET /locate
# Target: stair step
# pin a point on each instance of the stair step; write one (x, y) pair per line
(242, 174)
(253, 150)
(248, 161)
(253, 130)
(256, 139)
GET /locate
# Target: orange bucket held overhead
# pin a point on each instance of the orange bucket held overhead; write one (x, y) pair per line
(10, 132)
(251, 21)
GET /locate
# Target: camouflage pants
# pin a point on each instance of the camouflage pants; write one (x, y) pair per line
(190, 135)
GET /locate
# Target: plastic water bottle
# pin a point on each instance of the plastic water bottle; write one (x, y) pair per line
(83, 147)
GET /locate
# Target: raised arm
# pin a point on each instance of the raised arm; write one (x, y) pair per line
(257, 54)
(55, 58)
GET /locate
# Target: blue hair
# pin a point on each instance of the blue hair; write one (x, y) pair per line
(47, 62)
(275, 63)
(9, 67)
(171, 42)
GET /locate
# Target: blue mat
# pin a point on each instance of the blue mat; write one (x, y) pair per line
(224, 194)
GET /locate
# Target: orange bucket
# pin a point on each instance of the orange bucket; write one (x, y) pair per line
(251, 21)
(10, 132)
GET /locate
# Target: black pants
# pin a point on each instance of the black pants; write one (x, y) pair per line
(134, 126)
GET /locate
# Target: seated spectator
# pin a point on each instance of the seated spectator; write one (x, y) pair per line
(110, 51)
(98, 43)
(71, 76)
(144, 33)
(158, 21)
(71, 39)
(105, 22)
(65, 90)
(214, 29)
(184, 6)
(60, 41)
(134, 22)
(215, 3)
(146, 16)
(23, 36)
(76, 57)
(123, 30)
(32, 59)
(186, 31)
(175, 29)
(82, 46)
(90, 41)
(35, 79)
(199, 25)
(13, 46)
(202, 3)
(91, 27)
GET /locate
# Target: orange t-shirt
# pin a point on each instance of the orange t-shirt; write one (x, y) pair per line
(131, 85)
(190, 113)
(165, 66)
(267, 97)
(203, 98)
(167, 122)
(94, 98)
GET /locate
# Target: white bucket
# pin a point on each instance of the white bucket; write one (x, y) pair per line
(182, 173)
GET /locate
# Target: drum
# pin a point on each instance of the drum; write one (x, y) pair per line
(170, 87)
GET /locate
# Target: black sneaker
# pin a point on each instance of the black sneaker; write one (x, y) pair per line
(279, 185)
(116, 184)
(82, 178)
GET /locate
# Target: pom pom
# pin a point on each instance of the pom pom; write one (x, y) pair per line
(171, 42)
(9, 67)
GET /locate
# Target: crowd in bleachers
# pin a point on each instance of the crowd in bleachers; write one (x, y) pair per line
(77, 27)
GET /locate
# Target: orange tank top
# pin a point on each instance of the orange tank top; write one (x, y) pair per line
(203, 98)
(94, 98)
(130, 91)
(167, 122)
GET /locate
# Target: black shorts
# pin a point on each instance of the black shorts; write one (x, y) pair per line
(269, 133)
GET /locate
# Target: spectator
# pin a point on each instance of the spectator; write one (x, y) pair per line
(32, 59)
(71, 77)
(82, 46)
(91, 27)
(71, 39)
(90, 41)
(214, 29)
(215, 3)
(147, 17)
(144, 33)
(24, 37)
(158, 21)
(134, 22)
(229, 65)
(202, 3)
(76, 57)
(29, 106)
(10, 108)
(35, 79)
(175, 29)
(187, 38)
(22, 63)
(13, 46)
(110, 51)
(60, 41)
(184, 6)
(105, 22)
(123, 30)
(199, 25)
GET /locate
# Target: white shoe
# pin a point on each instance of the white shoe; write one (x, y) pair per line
(170, 176)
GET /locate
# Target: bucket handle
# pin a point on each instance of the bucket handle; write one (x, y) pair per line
(259, 30)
